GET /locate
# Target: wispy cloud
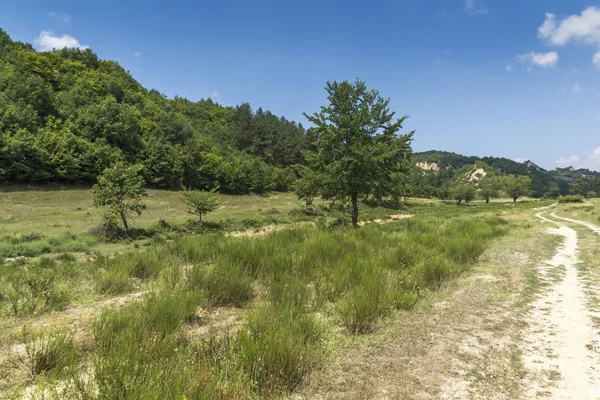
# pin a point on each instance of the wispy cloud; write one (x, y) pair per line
(137, 54)
(576, 88)
(214, 94)
(542, 60)
(473, 8)
(64, 17)
(508, 68)
(48, 40)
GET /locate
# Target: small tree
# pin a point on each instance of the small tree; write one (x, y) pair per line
(489, 187)
(517, 186)
(307, 187)
(200, 202)
(591, 195)
(121, 189)
(357, 145)
(553, 192)
(462, 192)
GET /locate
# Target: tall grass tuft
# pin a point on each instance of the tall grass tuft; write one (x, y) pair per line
(48, 353)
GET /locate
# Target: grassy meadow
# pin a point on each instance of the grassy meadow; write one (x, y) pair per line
(209, 315)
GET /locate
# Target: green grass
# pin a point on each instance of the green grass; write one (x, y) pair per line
(294, 289)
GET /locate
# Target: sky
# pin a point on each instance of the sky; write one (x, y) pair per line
(508, 78)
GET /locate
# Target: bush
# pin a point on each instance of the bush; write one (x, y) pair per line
(360, 308)
(575, 198)
(226, 282)
(591, 195)
(48, 352)
(34, 290)
(279, 348)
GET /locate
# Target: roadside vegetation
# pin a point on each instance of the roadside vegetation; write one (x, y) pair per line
(295, 288)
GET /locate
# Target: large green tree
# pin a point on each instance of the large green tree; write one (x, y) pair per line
(357, 147)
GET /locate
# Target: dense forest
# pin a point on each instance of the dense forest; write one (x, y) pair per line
(65, 115)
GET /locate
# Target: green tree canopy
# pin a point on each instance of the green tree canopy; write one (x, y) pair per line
(517, 186)
(200, 202)
(121, 189)
(489, 187)
(357, 147)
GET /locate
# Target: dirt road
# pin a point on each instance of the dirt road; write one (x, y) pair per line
(562, 349)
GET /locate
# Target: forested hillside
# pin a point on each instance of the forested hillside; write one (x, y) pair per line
(66, 115)
(560, 181)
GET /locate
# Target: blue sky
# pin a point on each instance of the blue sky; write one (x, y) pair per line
(511, 78)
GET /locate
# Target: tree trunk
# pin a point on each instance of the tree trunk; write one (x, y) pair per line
(515, 199)
(124, 221)
(355, 210)
(487, 200)
(379, 201)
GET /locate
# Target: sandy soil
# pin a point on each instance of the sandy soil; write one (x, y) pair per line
(561, 347)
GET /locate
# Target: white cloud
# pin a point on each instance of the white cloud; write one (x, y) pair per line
(508, 68)
(63, 16)
(591, 162)
(584, 27)
(575, 71)
(596, 60)
(47, 41)
(567, 161)
(543, 60)
(576, 88)
(472, 8)
(520, 160)
(137, 54)
(214, 94)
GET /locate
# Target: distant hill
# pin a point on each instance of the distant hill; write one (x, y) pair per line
(438, 161)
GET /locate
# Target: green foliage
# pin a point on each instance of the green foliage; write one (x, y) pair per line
(542, 180)
(591, 194)
(517, 186)
(34, 289)
(66, 115)
(463, 192)
(360, 308)
(200, 202)
(357, 146)
(280, 347)
(575, 198)
(48, 353)
(489, 187)
(553, 193)
(121, 189)
(226, 283)
(308, 186)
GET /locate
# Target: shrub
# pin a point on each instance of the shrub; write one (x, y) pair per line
(360, 308)
(48, 352)
(34, 290)
(575, 198)
(226, 282)
(591, 195)
(114, 282)
(279, 348)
